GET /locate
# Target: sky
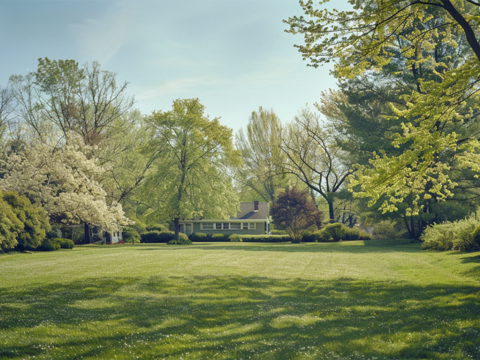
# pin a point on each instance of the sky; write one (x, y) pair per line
(231, 54)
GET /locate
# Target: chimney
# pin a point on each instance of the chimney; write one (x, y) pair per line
(255, 206)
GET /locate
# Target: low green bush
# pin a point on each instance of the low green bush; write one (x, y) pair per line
(339, 232)
(461, 235)
(182, 240)
(64, 243)
(235, 238)
(219, 237)
(308, 236)
(266, 238)
(156, 237)
(198, 237)
(49, 245)
(130, 235)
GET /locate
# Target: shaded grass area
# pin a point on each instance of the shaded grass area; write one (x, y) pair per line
(164, 307)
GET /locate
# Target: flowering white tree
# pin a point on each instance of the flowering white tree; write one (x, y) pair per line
(64, 181)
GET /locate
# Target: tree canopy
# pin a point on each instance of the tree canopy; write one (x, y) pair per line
(436, 115)
(194, 155)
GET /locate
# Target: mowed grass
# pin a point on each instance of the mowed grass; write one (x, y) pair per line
(350, 300)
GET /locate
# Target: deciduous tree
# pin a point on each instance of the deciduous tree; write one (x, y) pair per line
(314, 157)
(262, 157)
(192, 172)
(64, 182)
(295, 212)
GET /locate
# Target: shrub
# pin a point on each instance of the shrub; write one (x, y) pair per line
(157, 227)
(151, 237)
(10, 226)
(130, 235)
(338, 231)
(64, 243)
(235, 238)
(53, 234)
(458, 235)
(308, 236)
(198, 237)
(182, 240)
(33, 217)
(49, 245)
(266, 238)
(219, 237)
(387, 229)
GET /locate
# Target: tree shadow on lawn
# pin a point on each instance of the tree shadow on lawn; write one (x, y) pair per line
(239, 317)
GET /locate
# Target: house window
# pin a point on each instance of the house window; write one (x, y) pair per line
(235, 226)
(226, 226)
(207, 226)
(218, 226)
(252, 226)
(245, 226)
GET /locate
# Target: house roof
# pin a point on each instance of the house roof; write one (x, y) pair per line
(247, 212)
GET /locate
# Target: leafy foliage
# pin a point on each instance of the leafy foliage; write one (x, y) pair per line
(338, 232)
(34, 219)
(194, 154)
(157, 236)
(182, 240)
(10, 226)
(130, 235)
(64, 243)
(456, 235)
(263, 160)
(235, 238)
(49, 245)
(436, 44)
(64, 181)
(294, 212)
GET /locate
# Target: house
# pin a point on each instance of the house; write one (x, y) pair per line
(252, 220)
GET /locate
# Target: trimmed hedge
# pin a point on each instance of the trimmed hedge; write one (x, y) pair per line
(266, 238)
(219, 237)
(198, 237)
(160, 237)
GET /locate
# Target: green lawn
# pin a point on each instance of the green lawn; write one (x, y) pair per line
(350, 300)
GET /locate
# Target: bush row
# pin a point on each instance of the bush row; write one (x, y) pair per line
(55, 244)
(335, 232)
(461, 235)
(331, 233)
(164, 237)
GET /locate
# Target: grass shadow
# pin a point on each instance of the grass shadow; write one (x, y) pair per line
(229, 317)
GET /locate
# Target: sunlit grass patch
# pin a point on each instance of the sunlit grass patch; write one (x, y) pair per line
(154, 303)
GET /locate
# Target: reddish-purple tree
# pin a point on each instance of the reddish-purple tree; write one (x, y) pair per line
(295, 212)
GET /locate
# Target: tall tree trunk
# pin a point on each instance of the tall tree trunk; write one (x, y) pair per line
(177, 226)
(330, 211)
(87, 233)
